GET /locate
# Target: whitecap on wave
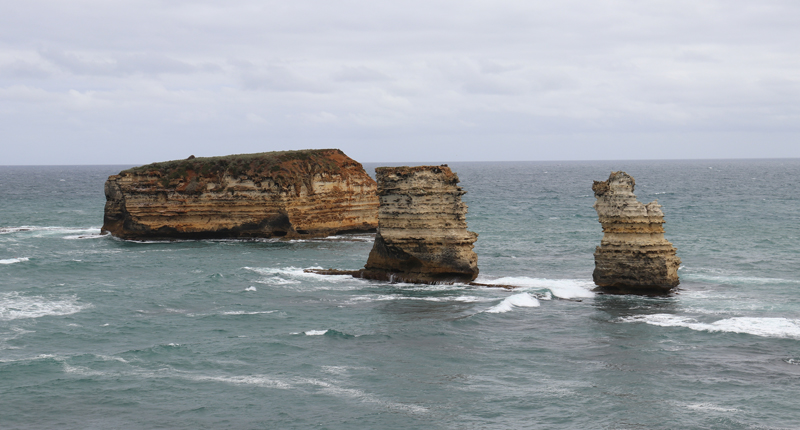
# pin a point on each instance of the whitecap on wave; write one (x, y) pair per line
(561, 288)
(522, 300)
(389, 297)
(304, 384)
(248, 312)
(339, 238)
(75, 232)
(14, 305)
(300, 279)
(765, 327)
(719, 277)
(14, 260)
(709, 407)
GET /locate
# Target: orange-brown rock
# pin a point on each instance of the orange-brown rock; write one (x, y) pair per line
(422, 229)
(633, 256)
(272, 194)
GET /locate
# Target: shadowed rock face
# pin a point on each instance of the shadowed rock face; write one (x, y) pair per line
(272, 194)
(422, 234)
(634, 256)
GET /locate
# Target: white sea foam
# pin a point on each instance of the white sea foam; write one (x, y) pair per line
(561, 288)
(277, 281)
(429, 288)
(250, 288)
(523, 300)
(257, 380)
(50, 230)
(340, 238)
(719, 277)
(11, 335)
(264, 381)
(9, 230)
(89, 235)
(38, 357)
(766, 327)
(332, 389)
(709, 407)
(14, 260)
(336, 370)
(112, 358)
(14, 305)
(247, 313)
(389, 297)
(302, 280)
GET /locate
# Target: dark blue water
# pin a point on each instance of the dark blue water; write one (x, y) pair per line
(101, 333)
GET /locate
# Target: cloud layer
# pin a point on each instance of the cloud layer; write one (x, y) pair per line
(97, 82)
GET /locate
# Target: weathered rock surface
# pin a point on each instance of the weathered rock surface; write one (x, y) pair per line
(422, 229)
(272, 194)
(634, 256)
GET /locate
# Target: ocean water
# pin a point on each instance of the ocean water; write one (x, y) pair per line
(99, 333)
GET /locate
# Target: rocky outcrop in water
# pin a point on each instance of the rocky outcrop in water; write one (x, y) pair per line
(422, 233)
(634, 256)
(273, 194)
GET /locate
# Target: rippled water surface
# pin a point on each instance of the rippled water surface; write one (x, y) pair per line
(99, 333)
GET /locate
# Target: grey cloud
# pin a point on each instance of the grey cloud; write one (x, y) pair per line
(359, 74)
(489, 66)
(124, 64)
(20, 69)
(484, 85)
(281, 79)
(431, 77)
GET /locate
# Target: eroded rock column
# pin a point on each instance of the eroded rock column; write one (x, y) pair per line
(422, 229)
(634, 256)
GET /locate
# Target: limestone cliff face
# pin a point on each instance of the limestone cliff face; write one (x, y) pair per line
(422, 229)
(271, 194)
(633, 256)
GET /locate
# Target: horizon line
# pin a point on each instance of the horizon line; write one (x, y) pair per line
(469, 161)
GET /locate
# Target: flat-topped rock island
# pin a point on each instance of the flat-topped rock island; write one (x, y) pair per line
(287, 194)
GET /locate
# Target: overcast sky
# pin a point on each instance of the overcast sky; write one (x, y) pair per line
(132, 82)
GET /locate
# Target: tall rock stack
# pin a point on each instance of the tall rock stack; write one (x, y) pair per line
(422, 229)
(634, 256)
(271, 194)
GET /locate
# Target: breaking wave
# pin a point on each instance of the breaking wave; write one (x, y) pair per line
(388, 297)
(296, 277)
(765, 327)
(14, 306)
(76, 232)
(14, 260)
(561, 288)
(522, 300)
(719, 277)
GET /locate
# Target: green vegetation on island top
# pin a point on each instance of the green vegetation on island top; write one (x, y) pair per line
(277, 165)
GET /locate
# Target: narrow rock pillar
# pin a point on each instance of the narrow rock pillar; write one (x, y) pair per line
(422, 229)
(633, 256)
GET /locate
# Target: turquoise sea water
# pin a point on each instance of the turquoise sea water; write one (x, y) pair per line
(99, 333)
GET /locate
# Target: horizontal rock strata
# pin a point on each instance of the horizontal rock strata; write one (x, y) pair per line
(422, 229)
(633, 256)
(273, 194)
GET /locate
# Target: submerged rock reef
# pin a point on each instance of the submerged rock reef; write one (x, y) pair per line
(422, 228)
(633, 256)
(272, 194)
